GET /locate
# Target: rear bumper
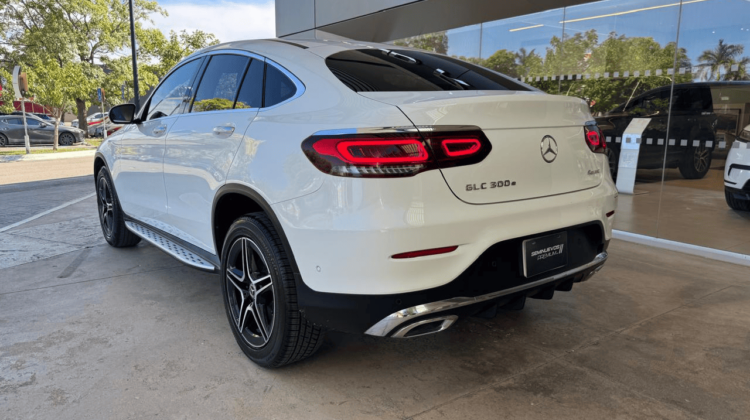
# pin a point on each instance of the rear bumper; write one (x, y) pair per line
(493, 279)
(400, 323)
(344, 234)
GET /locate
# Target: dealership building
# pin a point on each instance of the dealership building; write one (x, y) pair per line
(666, 80)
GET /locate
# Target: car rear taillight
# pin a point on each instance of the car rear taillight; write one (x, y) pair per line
(594, 138)
(398, 153)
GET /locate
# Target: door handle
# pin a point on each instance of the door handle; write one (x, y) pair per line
(159, 130)
(223, 130)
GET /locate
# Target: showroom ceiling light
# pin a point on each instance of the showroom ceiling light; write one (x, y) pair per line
(525, 27)
(627, 12)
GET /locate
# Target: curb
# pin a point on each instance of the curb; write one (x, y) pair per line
(47, 156)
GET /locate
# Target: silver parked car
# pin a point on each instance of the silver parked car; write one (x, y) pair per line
(40, 131)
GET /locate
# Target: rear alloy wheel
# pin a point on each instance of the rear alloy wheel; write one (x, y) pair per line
(3, 140)
(735, 203)
(696, 162)
(260, 296)
(66, 139)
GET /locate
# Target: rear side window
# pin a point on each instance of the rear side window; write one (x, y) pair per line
(251, 92)
(14, 121)
(220, 83)
(279, 88)
(375, 70)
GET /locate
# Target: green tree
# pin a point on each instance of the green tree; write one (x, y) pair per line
(77, 32)
(6, 93)
(435, 42)
(87, 38)
(52, 87)
(503, 61)
(529, 63)
(722, 58)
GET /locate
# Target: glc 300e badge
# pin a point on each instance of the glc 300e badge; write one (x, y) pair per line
(549, 149)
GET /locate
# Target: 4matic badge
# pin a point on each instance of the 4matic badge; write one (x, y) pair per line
(490, 185)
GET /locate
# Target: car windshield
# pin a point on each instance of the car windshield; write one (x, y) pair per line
(376, 70)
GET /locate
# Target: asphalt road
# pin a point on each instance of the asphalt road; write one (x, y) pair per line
(30, 188)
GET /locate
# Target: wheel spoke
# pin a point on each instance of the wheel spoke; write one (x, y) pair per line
(235, 279)
(259, 321)
(242, 316)
(252, 298)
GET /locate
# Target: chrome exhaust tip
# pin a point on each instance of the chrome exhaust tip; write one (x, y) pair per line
(427, 326)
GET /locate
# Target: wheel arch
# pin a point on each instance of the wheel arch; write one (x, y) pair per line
(235, 200)
(99, 163)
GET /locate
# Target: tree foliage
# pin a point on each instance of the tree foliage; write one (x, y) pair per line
(90, 41)
(435, 42)
(717, 63)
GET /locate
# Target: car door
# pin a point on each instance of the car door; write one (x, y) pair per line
(204, 141)
(139, 153)
(14, 130)
(37, 133)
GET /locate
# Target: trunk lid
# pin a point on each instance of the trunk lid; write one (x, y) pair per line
(516, 124)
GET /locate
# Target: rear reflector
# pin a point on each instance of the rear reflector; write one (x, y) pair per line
(425, 252)
(610, 214)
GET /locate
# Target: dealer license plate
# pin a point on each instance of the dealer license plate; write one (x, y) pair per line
(545, 254)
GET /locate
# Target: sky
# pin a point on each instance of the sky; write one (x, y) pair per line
(228, 20)
(703, 23)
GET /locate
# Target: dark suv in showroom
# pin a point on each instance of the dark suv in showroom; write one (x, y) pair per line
(690, 140)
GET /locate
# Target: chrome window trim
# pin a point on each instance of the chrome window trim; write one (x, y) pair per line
(297, 84)
(383, 327)
(224, 52)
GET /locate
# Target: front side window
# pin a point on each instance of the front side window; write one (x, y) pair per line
(32, 122)
(279, 88)
(171, 94)
(220, 83)
(375, 70)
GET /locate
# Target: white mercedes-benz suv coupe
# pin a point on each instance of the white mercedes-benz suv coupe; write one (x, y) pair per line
(737, 173)
(357, 187)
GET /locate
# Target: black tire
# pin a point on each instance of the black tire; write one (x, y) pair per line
(735, 203)
(3, 140)
(696, 162)
(292, 337)
(66, 139)
(614, 161)
(111, 216)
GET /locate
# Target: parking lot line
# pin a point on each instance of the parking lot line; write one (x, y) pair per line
(44, 213)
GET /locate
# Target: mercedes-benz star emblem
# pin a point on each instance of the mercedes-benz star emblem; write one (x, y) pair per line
(549, 149)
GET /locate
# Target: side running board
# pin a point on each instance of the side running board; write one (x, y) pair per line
(171, 247)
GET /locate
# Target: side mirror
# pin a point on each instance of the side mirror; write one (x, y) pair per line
(122, 114)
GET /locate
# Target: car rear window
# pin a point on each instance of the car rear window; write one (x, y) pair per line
(375, 70)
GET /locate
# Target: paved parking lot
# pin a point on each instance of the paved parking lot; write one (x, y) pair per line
(91, 332)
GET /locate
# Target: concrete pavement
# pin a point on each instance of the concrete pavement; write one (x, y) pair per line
(96, 332)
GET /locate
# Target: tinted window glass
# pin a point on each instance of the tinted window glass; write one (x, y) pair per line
(251, 92)
(278, 87)
(220, 83)
(374, 70)
(16, 121)
(171, 94)
(691, 100)
(32, 122)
